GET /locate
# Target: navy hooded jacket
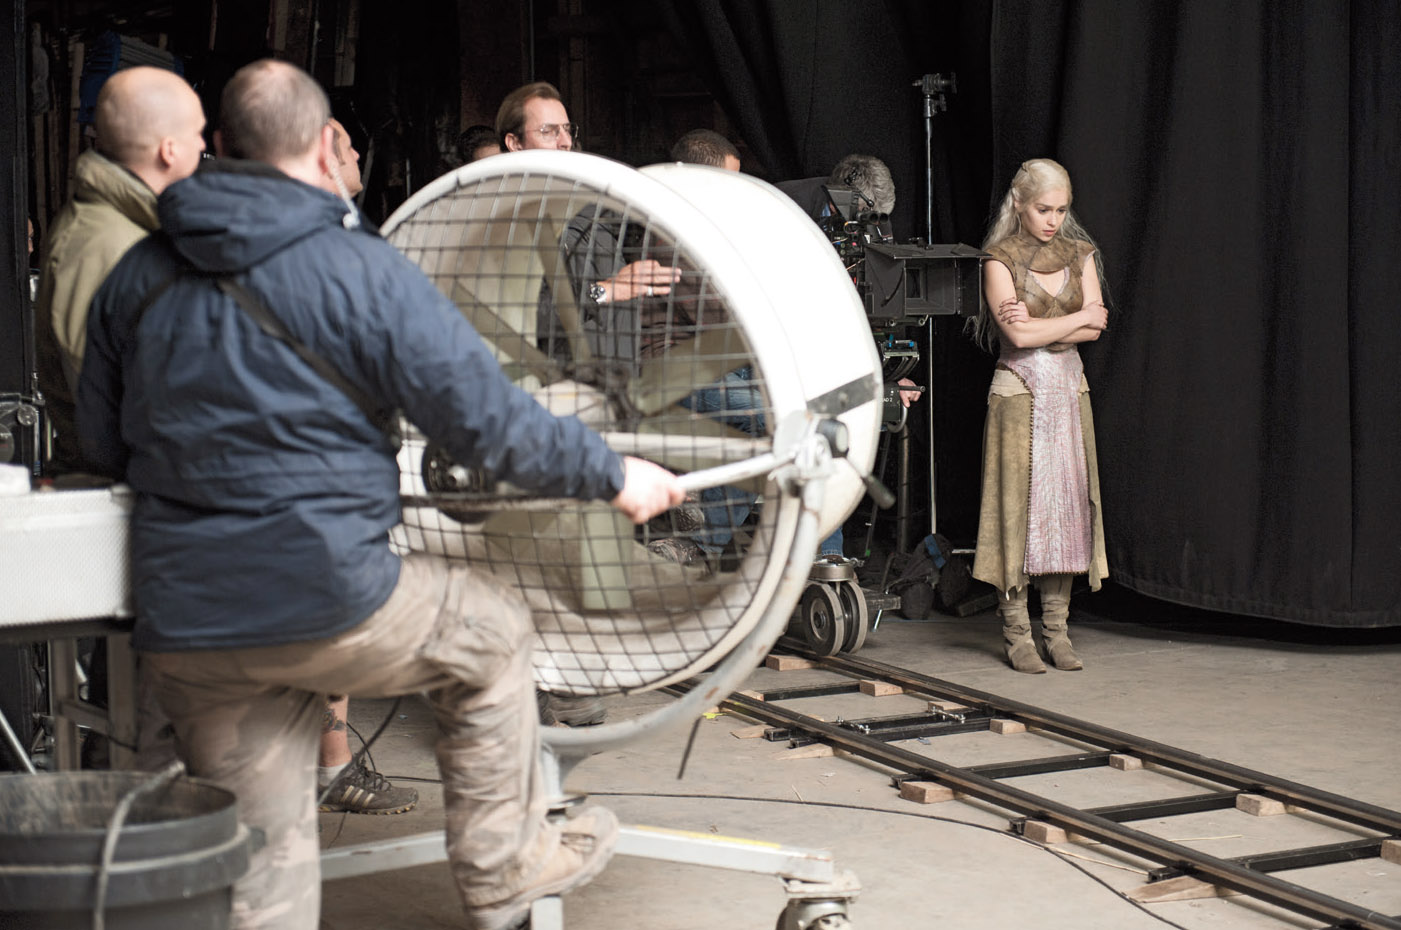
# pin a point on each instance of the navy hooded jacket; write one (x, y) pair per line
(264, 494)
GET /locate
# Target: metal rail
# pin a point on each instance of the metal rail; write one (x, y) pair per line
(1102, 824)
(1370, 816)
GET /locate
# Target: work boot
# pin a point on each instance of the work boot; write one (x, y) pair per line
(584, 710)
(1055, 615)
(586, 844)
(679, 549)
(687, 517)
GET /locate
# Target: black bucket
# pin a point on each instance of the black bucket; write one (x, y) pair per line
(178, 852)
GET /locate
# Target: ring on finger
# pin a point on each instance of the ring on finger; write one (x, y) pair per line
(649, 290)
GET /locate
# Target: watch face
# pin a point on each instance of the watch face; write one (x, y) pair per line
(597, 292)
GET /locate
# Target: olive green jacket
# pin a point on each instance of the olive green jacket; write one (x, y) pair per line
(111, 210)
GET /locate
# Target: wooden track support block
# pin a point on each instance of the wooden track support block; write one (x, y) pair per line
(1124, 763)
(1182, 888)
(813, 751)
(879, 688)
(1260, 806)
(1391, 851)
(926, 792)
(1006, 727)
(949, 707)
(787, 663)
(753, 695)
(1038, 831)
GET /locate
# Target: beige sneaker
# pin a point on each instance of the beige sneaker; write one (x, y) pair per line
(586, 844)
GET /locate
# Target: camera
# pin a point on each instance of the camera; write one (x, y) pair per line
(901, 286)
(851, 222)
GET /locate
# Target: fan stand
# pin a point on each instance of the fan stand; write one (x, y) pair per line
(818, 895)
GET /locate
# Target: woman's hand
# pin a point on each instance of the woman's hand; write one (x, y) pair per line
(1012, 311)
(1098, 315)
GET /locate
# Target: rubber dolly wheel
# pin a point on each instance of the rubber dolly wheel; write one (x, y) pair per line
(858, 616)
(824, 623)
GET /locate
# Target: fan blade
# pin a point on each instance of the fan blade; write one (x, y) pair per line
(562, 291)
(605, 542)
(589, 548)
(511, 347)
(687, 367)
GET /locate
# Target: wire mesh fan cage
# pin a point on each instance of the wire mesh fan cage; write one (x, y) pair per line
(760, 333)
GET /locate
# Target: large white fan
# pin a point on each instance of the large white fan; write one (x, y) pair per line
(513, 241)
(763, 307)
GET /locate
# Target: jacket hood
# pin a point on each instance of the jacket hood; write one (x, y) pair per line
(232, 214)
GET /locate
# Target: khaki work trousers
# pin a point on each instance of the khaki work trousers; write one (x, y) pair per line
(250, 721)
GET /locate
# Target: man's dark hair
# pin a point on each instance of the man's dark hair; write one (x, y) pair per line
(510, 119)
(703, 147)
(473, 138)
(870, 176)
(271, 111)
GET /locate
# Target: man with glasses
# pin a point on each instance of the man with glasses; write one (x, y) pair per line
(609, 289)
(534, 117)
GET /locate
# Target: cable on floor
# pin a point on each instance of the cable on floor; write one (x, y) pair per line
(874, 810)
(880, 810)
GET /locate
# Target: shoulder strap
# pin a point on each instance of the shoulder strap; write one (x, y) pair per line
(385, 419)
(382, 417)
(151, 296)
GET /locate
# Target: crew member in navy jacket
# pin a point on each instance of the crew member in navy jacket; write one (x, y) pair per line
(265, 495)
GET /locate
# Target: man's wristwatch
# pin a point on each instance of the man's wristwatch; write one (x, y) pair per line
(598, 293)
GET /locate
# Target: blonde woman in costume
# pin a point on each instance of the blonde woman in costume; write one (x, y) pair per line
(1040, 521)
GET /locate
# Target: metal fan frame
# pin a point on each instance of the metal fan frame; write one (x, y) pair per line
(684, 200)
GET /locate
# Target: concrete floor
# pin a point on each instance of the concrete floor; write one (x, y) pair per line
(1316, 706)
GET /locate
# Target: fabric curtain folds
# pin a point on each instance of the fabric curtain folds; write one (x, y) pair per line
(1237, 164)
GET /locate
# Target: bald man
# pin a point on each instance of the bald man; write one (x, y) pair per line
(150, 127)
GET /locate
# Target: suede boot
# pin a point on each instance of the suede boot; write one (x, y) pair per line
(1016, 633)
(1055, 615)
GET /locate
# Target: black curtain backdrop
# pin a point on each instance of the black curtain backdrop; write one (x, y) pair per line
(810, 82)
(1239, 166)
(807, 83)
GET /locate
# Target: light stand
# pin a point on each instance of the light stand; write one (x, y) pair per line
(933, 87)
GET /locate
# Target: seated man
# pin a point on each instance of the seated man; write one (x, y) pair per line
(531, 118)
(603, 268)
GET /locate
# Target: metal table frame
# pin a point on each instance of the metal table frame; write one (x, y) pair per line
(68, 710)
